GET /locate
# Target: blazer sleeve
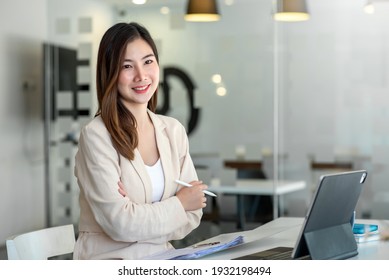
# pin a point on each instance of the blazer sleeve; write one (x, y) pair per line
(98, 172)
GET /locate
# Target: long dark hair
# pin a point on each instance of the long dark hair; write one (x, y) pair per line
(119, 121)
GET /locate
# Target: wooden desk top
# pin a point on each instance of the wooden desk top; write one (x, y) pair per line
(331, 165)
(243, 164)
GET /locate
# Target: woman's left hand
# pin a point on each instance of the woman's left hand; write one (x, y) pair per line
(121, 189)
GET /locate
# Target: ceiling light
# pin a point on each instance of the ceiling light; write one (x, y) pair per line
(139, 2)
(165, 10)
(291, 10)
(202, 10)
(369, 8)
(216, 78)
(221, 91)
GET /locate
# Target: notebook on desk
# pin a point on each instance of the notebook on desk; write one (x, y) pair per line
(326, 232)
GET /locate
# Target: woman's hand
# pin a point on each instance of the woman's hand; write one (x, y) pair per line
(193, 198)
(121, 189)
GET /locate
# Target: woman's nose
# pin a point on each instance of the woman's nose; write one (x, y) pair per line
(140, 74)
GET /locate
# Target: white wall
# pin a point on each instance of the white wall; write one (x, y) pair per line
(21, 158)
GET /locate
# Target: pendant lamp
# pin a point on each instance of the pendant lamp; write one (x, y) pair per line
(369, 7)
(291, 10)
(202, 10)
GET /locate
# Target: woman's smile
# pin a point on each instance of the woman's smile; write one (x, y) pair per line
(141, 89)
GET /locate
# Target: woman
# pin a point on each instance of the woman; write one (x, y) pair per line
(129, 158)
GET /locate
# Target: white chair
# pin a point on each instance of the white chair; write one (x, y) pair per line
(41, 244)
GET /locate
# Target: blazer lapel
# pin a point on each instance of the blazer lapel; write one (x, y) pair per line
(163, 144)
(140, 168)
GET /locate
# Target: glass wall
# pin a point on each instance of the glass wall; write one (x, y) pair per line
(302, 99)
(334, 102)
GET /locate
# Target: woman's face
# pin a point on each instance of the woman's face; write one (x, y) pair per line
(139, 74)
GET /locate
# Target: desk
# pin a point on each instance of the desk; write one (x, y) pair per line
(283, 232)
(332, 165)
(259, 187)
(318, 168)
(243, 164)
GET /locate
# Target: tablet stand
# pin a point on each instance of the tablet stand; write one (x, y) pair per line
(331, 243)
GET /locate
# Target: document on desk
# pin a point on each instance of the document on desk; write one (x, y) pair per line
(196, 251)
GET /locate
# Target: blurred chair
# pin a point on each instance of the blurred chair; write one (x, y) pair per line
(249, 205)
(258, 208)
(42, 244)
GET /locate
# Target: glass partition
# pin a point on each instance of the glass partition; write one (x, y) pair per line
(297, 99)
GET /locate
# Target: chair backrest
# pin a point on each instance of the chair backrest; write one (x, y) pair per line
(41, 244)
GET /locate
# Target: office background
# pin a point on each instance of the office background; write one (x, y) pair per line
(330, 74)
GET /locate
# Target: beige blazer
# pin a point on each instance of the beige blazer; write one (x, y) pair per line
(115, 227)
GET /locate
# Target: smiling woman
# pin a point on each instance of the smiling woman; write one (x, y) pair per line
(128, 158)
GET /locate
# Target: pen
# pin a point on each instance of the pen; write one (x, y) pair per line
(205, 244)
(189, 185)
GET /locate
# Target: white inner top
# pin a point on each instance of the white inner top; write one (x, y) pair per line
(157, 180)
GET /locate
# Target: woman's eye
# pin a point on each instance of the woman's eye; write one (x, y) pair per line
(149, 61)
(127, 66)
